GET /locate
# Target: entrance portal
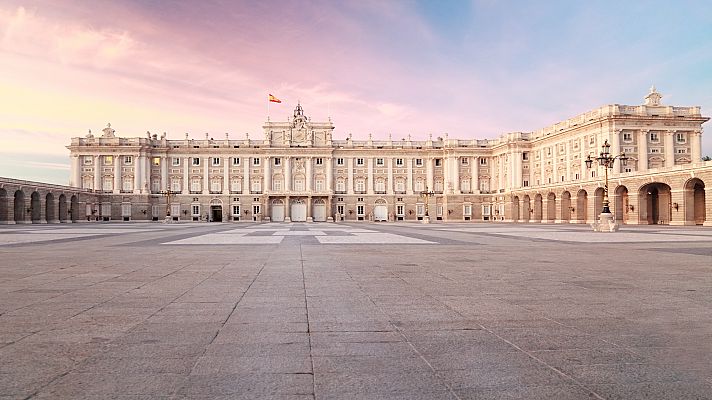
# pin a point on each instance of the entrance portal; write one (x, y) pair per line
(299, 211)
(216, 213)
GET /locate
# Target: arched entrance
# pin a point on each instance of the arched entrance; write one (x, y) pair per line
(655, 205)
(319, 212)
(537, 208)
(216, 212)
(582, 206)
(19, 207)
(299, 211)
(380, 210)
(621, 204)
(73, 208)
(566, 206)
(50, 208)
(598, 202)
(526, 208)
(515, 209)
(62, 208)
(551, 207)
(277, 210)
(4, 217)
(695, 202)
(35, 211)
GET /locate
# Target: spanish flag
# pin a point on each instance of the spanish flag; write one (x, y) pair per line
(274, 99)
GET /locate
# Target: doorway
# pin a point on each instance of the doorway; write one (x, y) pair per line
(216, 213)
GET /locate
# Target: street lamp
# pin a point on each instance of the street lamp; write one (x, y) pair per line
(167, 193)
(426, 194)
(606, 160)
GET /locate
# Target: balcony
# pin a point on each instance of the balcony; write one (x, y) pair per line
(236, 192)
(380, 192)
(339, 192)
(196, 192)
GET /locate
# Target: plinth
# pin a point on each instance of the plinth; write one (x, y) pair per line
(605, 223)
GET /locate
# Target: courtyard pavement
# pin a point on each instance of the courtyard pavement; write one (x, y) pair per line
(354, 311)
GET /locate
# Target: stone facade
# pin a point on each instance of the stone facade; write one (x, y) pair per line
(298, 172)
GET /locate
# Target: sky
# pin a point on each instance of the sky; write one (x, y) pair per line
(472, 69)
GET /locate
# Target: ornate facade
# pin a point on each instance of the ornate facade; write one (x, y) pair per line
(298, 172)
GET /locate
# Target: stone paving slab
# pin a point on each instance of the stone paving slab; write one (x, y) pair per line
(354, 311)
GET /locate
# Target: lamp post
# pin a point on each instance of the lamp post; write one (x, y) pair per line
(426, 194)
(168, 193)
(606, 160)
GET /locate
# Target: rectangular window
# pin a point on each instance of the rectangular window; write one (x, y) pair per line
(418, 162)
(175, 161)
(195, 209)
(654, 150)
(525, 156)
(319, 185)
(628, 169)
(256, 162)
(236, 186)
(236, 161)
(360, 210)
(235, 210)
(340, 186)
(128, 160)
(627, 137)
(438, 162)
(340, 209)
(379, 161)
(108, 160)
(654, 137)
(215, 186)
(256, 186)
(277, 161)
(256, 209)
(175, 185)
(156, 161)
(359, 161)
(196, 161)
(526, 183)
(399, 162)
(400, 210)
(125, 210)
(680, 137)
(339, 161)
(681, 151)
(467, 209)
(88, 160)
(360, 185)
(216, 161)
(195, 185)
(319, 161)
(483, 161)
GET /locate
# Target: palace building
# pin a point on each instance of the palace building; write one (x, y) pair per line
(299, 172)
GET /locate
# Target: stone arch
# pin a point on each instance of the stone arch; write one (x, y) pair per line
(73, 208)
(551, 207)
(538, 212)
(526, 208)
(582, 206)
(35, 210)
(694, 196)
(515, 209)
(50, 208)
(62, 208)
(4, 215)
(566, 208)
(622, 205)
(19, 207)
(655, 206)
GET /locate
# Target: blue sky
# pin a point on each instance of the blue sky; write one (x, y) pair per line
(472, 69)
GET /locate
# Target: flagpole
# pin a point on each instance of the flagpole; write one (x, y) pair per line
(268, 108)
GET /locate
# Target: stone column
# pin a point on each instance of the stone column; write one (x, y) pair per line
(555, 177)
(643, 150)
(206, 176)
(310, 177)
(137, 174)
(475, 184)
(287, 175)
(97, 173)
(456, 175)
(329, 178)
(708, 206)
(389, 184)
(186, 175)
(226, 177)
(615, 142)
(429, 173)
(409, 183)
(164, 173)
(350, 175)
(695, 138)
(669, 150)
(267, 178)
(246, 184)
(542, 167)
(500, 180)
(117, 174)
(76, 172)
(516, 170)
(369, 183)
